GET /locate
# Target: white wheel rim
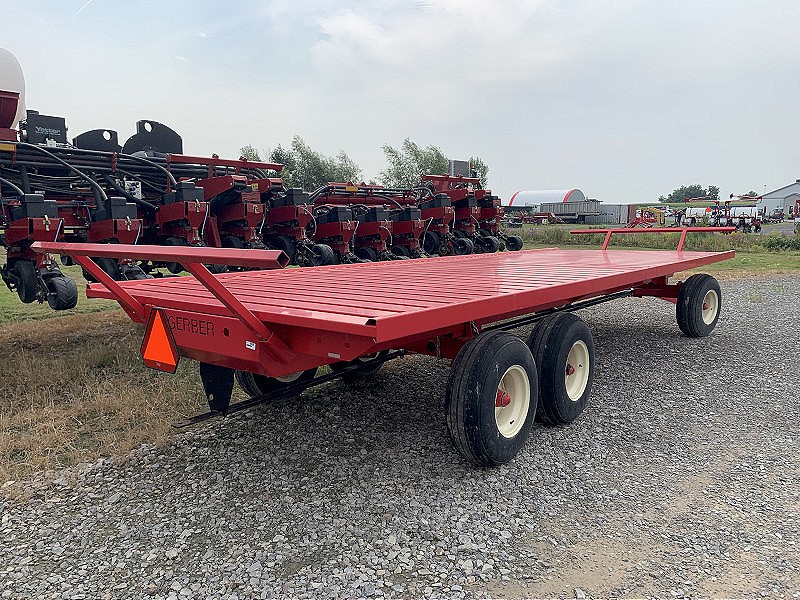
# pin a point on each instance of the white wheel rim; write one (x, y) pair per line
(290, 377)
(710, 307)
(512, 401)
(576, 371)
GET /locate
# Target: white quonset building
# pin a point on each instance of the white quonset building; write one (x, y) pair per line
(533, 198)
(784, 198)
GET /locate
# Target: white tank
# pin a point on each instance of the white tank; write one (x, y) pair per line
(12, 80)
(744, 211)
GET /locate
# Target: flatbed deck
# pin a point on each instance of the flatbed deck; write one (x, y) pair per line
(392, 300)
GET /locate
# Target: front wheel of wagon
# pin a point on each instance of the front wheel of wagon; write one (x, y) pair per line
(258, 385)
(491, 398)
(365, 367)
(698, 306)
(563, 349)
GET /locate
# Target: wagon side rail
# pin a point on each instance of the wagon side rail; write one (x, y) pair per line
(684, 230)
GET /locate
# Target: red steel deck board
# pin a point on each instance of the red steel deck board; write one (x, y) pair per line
(391, 300)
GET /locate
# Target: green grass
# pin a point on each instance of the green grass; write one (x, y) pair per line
(549, 235)
(14, 311)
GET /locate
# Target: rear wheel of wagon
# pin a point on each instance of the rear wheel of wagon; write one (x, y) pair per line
(698, 306)
(258, 385)
(491, 398)
(563, 349)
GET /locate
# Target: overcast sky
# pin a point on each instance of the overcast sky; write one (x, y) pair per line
(624, 99)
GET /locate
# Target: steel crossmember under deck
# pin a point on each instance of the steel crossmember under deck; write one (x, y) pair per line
(322, 315)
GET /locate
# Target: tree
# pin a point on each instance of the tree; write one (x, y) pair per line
(307, 168)
(407, 164)
(690, 191)
(481, 169)
(250, 153)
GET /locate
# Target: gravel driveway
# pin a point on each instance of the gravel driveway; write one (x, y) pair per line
(681, 479)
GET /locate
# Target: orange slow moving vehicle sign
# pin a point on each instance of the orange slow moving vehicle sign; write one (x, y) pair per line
(158, 347)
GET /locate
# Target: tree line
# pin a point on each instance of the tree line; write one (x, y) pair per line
(309, 169)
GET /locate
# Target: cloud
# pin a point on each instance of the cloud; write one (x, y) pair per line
(494, 41)
(203, 35)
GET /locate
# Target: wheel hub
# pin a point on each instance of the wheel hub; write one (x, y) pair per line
(576, 372)
(503, 399)
(512, 401)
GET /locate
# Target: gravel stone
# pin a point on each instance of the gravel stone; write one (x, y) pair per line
(679, 480)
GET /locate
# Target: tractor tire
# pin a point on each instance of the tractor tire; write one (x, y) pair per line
(321, 254)
(368, 254)
(484, 232)
(431, 242)
(24, 272)
(563, 349)
(514, 243)
(67, 261)
(463, 246)
(62, 293)
(458, 233)
(401, 251)
(491, 398)
(698, 306)
(258, 385)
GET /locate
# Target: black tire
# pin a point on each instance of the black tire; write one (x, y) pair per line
(27, 280)
(67, 261)
(258, 385)
(462, 246)
(514, 243)
(484, 436)
(699, 304)
(490, 244)
(232, 241)
(401, 251)
(561, 399)
(62, 293)
(134, 273)
(286, 244)
(459, 234)
(368, 254)
(484, 232)
(174, 267)
(431, 242)
(361, 373)
(217, 269)
(321, 254)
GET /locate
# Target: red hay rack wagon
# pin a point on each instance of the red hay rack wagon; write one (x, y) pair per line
(271, 330)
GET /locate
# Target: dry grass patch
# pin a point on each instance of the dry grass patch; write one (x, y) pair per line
(74, 389)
